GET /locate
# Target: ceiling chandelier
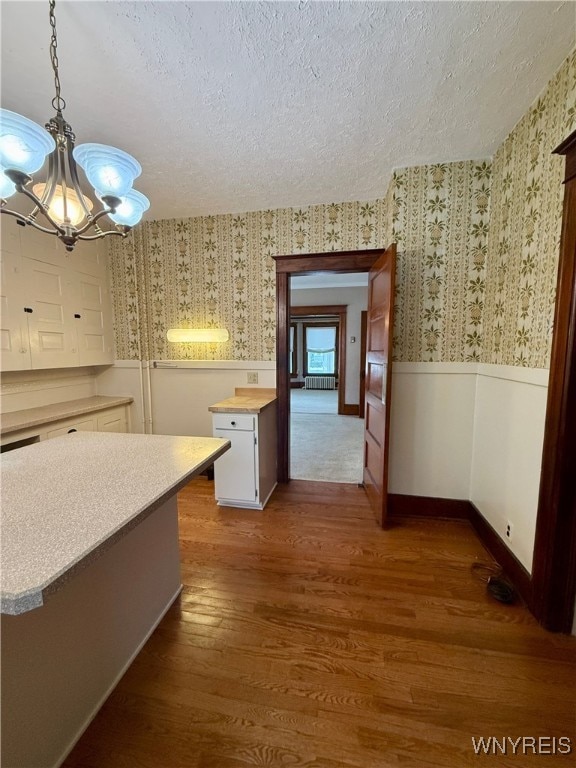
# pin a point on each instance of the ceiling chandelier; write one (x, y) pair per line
(24, 146)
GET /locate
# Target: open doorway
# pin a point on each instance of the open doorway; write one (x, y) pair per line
(325, 370)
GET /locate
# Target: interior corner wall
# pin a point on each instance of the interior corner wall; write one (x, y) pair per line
(520, 293)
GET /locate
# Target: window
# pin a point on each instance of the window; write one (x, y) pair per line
(320, 350)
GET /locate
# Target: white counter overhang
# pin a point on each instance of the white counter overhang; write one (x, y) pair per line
(66, 500)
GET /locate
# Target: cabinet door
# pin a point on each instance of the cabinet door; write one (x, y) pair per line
(235, 472)
(50, 324)
(93, 317)
(113, 421)
(14, 346)
(87, 424)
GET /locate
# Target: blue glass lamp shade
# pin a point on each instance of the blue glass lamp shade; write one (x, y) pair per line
(7, 187)
(130, 211)
(110, 171)
(23, 143)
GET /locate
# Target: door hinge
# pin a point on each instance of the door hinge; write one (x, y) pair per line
(256, 492)
(255, 440)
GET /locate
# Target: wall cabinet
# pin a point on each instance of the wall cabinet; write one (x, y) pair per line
(53, 315)
(245, 476)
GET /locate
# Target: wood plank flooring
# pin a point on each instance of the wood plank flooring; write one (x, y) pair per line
(307, 636)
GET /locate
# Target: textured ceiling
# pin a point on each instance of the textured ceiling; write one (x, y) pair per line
(249, 105)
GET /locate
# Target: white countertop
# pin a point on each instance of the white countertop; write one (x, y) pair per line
(64, 500)
(44, 414)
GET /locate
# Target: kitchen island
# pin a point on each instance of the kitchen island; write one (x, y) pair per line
(90, 564)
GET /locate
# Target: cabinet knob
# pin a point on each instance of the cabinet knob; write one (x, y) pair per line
(77, 316)
(233, 423)
(28, 309)
(72, 430)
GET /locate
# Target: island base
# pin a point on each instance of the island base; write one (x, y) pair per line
(61, 661)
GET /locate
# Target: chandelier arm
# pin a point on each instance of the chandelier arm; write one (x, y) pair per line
(72, 167)
(93, 220)
(49, 189)
(29, 222)
(104, 233)
(40, 205)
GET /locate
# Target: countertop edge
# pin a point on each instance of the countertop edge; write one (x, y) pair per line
(67, 414)
(240, 408)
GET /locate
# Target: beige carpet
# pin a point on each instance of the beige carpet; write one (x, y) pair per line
(326, 447)
(314, 400)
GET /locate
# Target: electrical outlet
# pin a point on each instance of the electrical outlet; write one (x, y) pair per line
(252, 377)
(509, 530)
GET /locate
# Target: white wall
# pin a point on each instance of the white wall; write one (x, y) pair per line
(181, 391)
(507, 452)
(127, 378)
(356, 299)
(30, 389)
(431, 426)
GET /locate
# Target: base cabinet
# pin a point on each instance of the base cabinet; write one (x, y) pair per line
(115, 419)
(245, 476)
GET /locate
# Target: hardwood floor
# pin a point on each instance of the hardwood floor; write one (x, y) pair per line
(306, 636)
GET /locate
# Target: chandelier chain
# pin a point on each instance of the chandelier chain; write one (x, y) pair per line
(57, 102)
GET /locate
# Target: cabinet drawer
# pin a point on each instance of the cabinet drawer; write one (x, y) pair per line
(241, 422)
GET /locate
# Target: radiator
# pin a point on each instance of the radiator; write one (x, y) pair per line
(320, 382)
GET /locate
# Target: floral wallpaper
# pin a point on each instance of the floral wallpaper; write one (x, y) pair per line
(440, 223)
(477, 257)
(218, 271)
(524, 238)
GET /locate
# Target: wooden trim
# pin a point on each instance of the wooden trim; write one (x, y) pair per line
(332, 261)
(333, 324)
(405, 505)
(337, 261)
(340, 311)
(283, 375)
(350, 409)
(512, 567)
(318, 310)
(362, 382)
(554, 564)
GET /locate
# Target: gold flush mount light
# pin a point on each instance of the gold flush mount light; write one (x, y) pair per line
(210, 335)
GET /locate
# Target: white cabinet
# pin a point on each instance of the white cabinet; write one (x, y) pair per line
(245, 476)
(14, 339)
(53, 314)
(114, 419)
(83, 424)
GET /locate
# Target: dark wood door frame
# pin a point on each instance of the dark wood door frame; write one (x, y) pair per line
(339, 261)
(553, 582)
(362, 383)
(339, 311)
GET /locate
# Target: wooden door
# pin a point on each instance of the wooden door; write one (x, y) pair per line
(378, 380)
